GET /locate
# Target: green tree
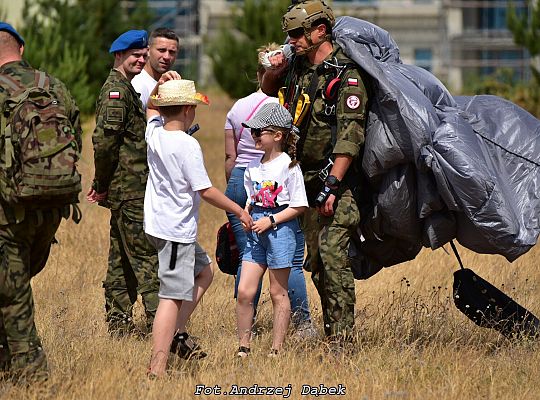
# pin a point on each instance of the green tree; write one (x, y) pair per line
(233, 51)
(65, 62)
(71, 39)
(525, 27)
(524, 23)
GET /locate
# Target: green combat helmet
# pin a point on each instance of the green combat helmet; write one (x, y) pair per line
(304, 14)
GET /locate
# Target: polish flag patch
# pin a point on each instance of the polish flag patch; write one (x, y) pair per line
(352, 82)
(114, 95)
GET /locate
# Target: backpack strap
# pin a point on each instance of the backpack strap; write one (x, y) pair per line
(8, 145)
(14, 85)
(42, 80)
(311, 91)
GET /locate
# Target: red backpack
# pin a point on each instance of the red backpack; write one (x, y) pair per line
(227, 254)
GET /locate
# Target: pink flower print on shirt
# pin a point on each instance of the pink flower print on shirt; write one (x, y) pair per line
(266, 193)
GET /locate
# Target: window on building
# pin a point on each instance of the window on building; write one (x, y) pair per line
(423, 58)
(494, 60)
(490, 15)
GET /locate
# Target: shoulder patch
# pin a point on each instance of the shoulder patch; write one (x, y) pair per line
(114, 95)
(352, 102)
(114, 114)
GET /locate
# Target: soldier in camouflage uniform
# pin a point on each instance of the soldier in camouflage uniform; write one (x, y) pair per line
(121, 171)
(333, 130)
(26, 234)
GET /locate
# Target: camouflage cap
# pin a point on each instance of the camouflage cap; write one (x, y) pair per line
(271, 114)
(4, 26)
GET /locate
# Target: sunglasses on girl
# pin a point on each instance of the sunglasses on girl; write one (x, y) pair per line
(259, 132)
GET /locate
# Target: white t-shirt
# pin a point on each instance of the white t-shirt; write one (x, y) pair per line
(144, 84)
(274, 184)
(177, 172)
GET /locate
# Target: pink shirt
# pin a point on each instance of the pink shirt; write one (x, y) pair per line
(240, 111)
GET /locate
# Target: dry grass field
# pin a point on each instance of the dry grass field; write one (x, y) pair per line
(412, 343)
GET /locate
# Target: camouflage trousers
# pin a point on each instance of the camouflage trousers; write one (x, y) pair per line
(133, 269)
(327, 240)
(24, 249)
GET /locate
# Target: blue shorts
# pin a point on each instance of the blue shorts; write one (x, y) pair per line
(281, 248)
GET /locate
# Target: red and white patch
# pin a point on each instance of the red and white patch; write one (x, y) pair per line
(353, 102)
(352, 82)
(114, 95)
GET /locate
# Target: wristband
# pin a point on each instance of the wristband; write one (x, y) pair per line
(332, 182)
(273, 222)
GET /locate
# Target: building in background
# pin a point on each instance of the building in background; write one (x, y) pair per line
(478, 41)
(182, 16)
(459, 41)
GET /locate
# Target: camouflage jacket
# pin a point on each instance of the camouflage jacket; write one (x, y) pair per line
(350, 116)
(24, 73)
(121, 167)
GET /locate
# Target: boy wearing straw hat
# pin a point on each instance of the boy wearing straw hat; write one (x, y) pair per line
(176, 183)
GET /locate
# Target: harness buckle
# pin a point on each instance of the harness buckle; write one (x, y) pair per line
(323, 173)
(329, 110)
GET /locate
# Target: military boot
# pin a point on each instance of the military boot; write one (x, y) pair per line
(5, 362)
(120, 325)
(28, 368)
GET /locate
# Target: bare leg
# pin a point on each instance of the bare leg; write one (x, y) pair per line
(249, 281)
(162, 334)
(281, 305)
(202, 282)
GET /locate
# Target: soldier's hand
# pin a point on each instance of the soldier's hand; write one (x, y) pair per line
(327, 209)
(93, 197)
(276, 59)
(169, 76)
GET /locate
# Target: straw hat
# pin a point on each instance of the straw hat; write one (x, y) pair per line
(178, 92)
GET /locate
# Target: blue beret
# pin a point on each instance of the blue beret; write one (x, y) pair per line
(4, 26)
(133, 39)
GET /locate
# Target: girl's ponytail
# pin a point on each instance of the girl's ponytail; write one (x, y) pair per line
(289, 146)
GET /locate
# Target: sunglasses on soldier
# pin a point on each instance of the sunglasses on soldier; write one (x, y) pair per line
(296, 33)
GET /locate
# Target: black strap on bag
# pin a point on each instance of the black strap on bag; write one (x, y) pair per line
(489, 307)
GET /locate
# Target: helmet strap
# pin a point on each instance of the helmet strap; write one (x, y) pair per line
(307, 34)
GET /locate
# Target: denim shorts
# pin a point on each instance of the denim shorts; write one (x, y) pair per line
(275, 249)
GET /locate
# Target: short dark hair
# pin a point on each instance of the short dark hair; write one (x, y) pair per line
(171, 111)
(164, 33)
(325, 22)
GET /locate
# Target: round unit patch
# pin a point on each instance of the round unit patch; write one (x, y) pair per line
(353, 102)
